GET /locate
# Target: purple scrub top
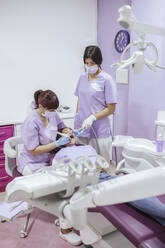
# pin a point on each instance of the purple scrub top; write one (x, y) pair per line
(33, 134)
(75, 151)
(93, 97)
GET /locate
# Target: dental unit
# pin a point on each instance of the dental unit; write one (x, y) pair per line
(69, 187)
(128, 21)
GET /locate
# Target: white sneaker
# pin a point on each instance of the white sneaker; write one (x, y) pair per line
(71, 237)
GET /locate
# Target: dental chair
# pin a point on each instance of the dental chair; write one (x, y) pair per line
(54, 196)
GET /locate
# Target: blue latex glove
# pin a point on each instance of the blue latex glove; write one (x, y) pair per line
(78, 132)
(62, 141)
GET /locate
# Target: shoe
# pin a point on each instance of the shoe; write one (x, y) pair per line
(71, 237)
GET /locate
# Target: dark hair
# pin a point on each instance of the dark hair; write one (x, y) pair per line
(94, 53)
(47, 98)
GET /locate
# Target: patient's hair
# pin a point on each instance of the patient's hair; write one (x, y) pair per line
(47, 98)
(94, 53)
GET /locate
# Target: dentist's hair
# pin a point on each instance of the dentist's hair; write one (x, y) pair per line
(94, 53)
(47, 98)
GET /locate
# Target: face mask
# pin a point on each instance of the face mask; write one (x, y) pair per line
(47, 114)
(91, 69)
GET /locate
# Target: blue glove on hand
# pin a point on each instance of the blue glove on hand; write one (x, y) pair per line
(78, 132)
(62, 141)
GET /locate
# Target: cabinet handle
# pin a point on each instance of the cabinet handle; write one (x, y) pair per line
(4, 177)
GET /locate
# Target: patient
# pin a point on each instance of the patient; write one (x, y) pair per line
(73, 150)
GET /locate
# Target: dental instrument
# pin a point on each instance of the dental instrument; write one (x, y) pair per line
(63, 134)
(78, 132)
(137, 60)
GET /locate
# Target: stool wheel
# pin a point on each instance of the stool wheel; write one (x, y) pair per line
(23, 234)
(57, 222)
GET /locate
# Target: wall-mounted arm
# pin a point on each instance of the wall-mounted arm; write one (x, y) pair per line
(127, 20)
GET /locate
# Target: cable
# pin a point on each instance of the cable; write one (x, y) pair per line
(96, 140)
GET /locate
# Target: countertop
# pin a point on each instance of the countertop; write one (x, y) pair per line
(69, 115)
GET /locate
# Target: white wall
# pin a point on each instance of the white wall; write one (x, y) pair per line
(41, 47)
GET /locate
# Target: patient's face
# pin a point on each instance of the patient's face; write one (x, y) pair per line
(71, 134)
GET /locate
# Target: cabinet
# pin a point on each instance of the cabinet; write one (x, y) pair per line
(6, 132)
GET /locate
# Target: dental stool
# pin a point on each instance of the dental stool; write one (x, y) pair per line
(11, 154)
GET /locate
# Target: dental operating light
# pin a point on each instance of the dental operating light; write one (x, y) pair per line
(128, 21)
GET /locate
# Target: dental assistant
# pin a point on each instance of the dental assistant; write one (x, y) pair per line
(96, 92)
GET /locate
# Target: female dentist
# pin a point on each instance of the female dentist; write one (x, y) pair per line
(96, 92)
(38, 133)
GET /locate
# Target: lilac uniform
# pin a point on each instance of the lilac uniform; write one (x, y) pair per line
(93, 97)
(33, 134)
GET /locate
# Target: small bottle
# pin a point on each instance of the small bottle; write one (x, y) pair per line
(159, 143)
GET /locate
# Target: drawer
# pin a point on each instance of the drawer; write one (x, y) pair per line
(1, 150)
(2, 158)
(4, 182)
(1, 147)
(3, 174)
(6, 132)
(2, 164)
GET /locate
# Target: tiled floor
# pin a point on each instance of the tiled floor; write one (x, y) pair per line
(118, 240)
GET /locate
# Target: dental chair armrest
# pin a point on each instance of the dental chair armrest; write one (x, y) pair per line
(10, 151)
(10, 146)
